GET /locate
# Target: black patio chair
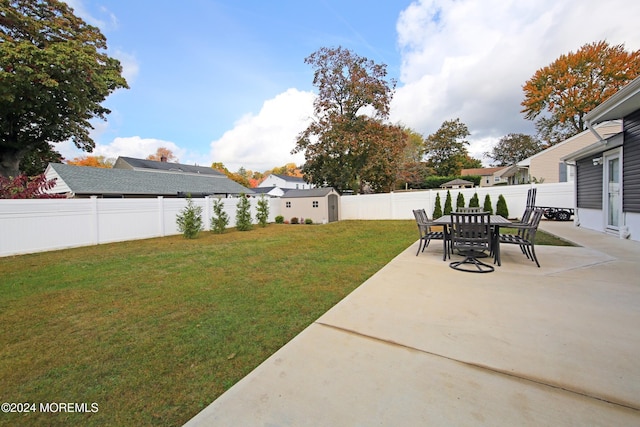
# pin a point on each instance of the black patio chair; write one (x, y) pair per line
(525, 236)
(469, 209)
(426, 233)
(531, 205)
(471, 236)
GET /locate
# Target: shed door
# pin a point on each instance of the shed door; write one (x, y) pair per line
(333, 207)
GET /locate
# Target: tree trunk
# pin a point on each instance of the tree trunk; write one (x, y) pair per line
(10, 162)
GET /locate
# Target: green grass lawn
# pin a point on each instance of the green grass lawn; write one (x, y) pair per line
(154, 330)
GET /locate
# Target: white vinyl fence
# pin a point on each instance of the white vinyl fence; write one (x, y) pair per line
(40, 225)
(28, 226)
(401, 204)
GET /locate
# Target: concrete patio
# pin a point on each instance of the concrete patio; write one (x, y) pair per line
(421, 344)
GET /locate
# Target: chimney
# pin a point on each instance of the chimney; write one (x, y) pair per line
(163, 159)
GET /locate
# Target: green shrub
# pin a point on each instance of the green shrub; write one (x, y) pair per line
(294, 220)
(262, 216)
(243, 214)
(501, 207)
(437, 210)
(308, 221)
(488, 207)
(474, 202)
(447, 204)
(460, 201)
(189, 220)
(279, 219)
(220, 219)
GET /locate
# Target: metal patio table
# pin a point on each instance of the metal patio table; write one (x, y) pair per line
(497, 221)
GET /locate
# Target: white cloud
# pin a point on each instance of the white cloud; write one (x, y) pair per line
(469, 60)
(263, 141)
(130, 66)
(133, 146)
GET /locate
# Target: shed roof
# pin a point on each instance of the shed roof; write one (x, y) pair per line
(99, 181)
(313, 192)
(456, 181)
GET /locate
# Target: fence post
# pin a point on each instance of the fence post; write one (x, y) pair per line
(94, 220)
(161, 216)
(207, 213)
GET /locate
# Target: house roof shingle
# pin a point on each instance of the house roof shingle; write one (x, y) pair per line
(139, 164)
(99, 181)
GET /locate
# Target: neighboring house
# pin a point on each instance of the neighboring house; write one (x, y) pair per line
(608, 171)
(285, 181)
(322, 205)
(162, 166)
(268, 191)
(457, 183)
(490, 176)
(547, 166)
(83, 181)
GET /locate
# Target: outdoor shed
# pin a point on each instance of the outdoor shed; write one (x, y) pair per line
(457, 183)
(321, 205)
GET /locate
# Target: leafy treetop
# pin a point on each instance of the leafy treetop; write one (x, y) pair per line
(573, 85)
(54, 74)
(348, 146)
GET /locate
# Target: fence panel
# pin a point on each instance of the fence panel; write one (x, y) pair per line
(39, 225)
(400, 205)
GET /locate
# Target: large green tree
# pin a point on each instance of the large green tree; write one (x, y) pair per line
(54, 74)
(348, 145)
(559, 95)
(513, 148)
(446, 149)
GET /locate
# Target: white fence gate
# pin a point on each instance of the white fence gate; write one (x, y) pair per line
(28, 226)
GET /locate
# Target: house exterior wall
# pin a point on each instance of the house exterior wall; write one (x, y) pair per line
(276, 181)
(547, 164)
(631, 164)
(591, 180)
(589, 184)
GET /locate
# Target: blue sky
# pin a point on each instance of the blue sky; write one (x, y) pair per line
(225, 81)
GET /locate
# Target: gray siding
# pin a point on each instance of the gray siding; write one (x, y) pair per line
(631, 164)
(589, 180)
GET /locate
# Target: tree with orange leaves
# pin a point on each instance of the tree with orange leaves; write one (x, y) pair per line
(163, 153)
(92, 161)
(573, 85)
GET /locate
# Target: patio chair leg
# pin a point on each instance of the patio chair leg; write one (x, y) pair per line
(533, 255)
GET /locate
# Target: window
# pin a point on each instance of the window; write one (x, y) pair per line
(315, 203)
(287, 204)
(496, 179)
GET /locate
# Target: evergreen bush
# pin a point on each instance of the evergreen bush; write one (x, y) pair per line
(437, 210)
(460, 201)
(474, 202)
(279, 219)
(447, 204)
(488, 207)
(243, 214)
(501, 207)
(308, 221)
(220, 218)
(262, 215)
(189, 220)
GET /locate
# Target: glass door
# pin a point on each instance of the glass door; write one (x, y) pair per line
(613, 199)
